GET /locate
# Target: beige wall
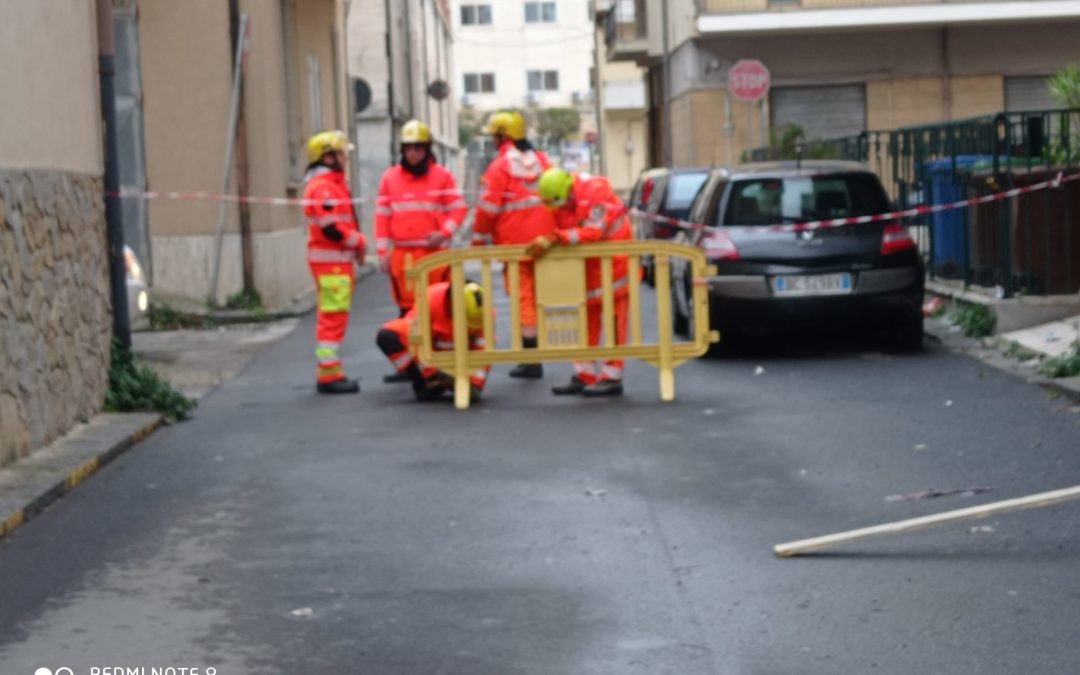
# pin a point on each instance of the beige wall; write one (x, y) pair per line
(50, 116)
(265, 116)
(891, 104)
(624, 167)
(184, 51)
(698, 133)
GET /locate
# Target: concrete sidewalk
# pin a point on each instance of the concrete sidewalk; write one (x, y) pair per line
(195, 361)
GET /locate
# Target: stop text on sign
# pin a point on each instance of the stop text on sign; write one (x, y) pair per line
(748, 79)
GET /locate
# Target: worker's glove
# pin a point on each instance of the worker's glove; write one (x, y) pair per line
(384, 263)
(540, 246)
(361, 255)
(332, 233)
(436, 239)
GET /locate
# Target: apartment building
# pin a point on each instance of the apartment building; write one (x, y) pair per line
(526, 55)
(621, 100)
(174, 83)
(838, 67)
(400, 65)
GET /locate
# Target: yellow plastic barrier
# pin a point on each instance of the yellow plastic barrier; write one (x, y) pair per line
(561, 310)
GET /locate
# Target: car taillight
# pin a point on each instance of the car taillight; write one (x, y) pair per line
(719, 246)
(896, 239)
(646, 191)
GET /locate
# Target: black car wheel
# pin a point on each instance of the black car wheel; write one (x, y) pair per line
(906, 333)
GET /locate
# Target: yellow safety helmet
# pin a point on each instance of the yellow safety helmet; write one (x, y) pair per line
(474, 305)
(415, 131)
(327, 141)
(555, 185)
(508, 123)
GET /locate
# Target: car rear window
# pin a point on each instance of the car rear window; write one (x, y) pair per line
(683, 188)
(769, 201)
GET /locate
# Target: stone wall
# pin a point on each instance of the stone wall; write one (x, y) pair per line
(55, 315)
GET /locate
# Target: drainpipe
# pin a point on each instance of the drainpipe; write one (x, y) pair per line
(946, 83)
(114, 227)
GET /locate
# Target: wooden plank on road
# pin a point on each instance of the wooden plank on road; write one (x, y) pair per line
(984, 511)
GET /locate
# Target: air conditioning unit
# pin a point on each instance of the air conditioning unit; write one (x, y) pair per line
(533, 98)
(467, 101)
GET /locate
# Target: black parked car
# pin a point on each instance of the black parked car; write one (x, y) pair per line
(664, 192)
(772, 277)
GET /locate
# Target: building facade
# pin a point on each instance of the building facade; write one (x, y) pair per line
(621, 100)
(400, 65)
(528, 56)
(175, 78)
(55, 312)
(839, 67)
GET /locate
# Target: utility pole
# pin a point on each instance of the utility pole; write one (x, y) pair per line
(114, 226)
(247, 253)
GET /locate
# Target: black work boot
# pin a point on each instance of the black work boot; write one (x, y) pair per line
(574, 386)
(342, 386)
(397, 378)
(432, 388)
(604, 388)
(528, 371)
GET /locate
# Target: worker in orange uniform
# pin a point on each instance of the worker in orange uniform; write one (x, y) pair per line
(417, 212)
(510, 212)
(429, 383)
(335, 243)
(589, 211)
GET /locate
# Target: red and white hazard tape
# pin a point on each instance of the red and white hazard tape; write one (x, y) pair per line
(921, 210)
(203, 196)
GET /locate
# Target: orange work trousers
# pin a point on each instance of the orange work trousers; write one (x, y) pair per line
(526, 295)
(334, 284)
(611, 369)
(401, 287)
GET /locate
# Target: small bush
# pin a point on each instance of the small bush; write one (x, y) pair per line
(136, 388)
(247, 299)
(976, 320)
(1066, 365)
(163, 317)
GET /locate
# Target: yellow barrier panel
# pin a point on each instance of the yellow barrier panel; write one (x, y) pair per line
(562, 302)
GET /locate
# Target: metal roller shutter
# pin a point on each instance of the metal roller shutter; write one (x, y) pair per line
(1023, 94)
(822, 112)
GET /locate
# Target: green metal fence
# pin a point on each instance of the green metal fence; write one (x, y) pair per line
(1028, 244)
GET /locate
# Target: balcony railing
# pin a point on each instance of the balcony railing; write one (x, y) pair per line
(626, 25)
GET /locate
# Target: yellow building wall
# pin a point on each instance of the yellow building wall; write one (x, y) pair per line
(903, 102)
(50, 116)
(184, 52)
(625, 148)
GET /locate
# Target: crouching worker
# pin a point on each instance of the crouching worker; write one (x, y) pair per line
(429, 383)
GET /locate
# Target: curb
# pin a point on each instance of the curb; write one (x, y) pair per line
(75, 477)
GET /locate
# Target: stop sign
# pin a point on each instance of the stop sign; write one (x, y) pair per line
(748, 79)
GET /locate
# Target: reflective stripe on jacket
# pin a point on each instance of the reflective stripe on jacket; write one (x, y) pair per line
(330, 205)
(410, 207)
(510, 210)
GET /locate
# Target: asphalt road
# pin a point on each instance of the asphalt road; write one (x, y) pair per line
(283, 532)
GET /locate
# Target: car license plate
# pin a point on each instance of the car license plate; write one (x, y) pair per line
(815, 284)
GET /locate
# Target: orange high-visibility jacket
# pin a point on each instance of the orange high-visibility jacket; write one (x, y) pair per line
(330, 204)
(510, 210)
(442, 328)
(409, 207)
(595, 213)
